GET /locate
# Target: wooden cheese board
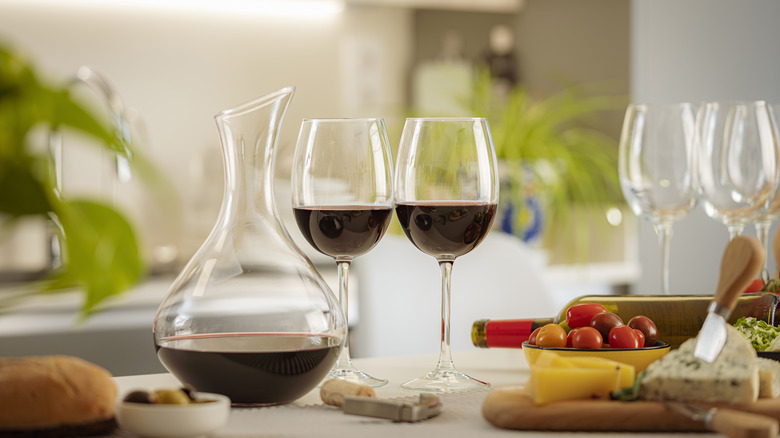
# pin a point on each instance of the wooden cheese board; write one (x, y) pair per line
(511, 408)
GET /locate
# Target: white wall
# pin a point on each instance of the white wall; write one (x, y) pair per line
(699, 50)
(179, 68)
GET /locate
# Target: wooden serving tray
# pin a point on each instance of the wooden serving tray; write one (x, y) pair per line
(510, 408)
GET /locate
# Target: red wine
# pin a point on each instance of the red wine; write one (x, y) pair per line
(343, 231)
(255, 368)
(445, 230)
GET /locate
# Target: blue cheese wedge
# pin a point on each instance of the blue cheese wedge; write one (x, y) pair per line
(768, 378)
(732, 378)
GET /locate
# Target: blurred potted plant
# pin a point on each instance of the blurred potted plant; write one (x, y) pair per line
(101, 254)
(555, 168)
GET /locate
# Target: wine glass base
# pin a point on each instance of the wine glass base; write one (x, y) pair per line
(445, 380)
(355, 376)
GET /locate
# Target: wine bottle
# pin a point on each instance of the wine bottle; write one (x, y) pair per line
(677, 317)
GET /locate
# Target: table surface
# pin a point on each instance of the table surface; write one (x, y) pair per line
(461, 413)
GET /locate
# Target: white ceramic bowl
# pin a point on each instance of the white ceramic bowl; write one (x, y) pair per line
(163, 420)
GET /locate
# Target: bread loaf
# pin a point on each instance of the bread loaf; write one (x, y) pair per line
(51, 392)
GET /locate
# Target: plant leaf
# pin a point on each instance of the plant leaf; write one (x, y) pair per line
(101, 251)
(22, 193)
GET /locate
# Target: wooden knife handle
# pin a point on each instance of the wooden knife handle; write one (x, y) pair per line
(738, 424)
(742, 260)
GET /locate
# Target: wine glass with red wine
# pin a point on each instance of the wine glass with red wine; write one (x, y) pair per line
(446, 193)
(342, 197)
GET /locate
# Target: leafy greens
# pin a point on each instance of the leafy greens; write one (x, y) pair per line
(759, 333)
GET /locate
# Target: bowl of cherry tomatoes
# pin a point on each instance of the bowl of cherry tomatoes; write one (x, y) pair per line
(589, 330)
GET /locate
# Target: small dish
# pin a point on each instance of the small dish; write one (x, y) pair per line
(169, 421)
(640, 358)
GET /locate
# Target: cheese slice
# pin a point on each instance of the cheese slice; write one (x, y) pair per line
(627, 372)
(555, 378)
(555, 384)
(768, 378)
(731, 378)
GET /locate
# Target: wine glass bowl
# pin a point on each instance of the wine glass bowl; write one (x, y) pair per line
(772, 211)
(737, 161)
(342, 198)
(655, 165)
(446, 192)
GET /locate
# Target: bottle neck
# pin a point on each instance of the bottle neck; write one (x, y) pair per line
(510, 333)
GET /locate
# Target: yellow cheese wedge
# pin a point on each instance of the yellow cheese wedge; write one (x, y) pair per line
(627, 372)
(552, 359)
(556, 384)
(555, 378)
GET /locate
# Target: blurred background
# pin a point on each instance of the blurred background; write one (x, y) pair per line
(178, 63)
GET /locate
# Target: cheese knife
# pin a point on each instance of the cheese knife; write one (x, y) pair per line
(742, 260)
(729, 422)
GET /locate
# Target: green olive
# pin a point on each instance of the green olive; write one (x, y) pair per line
(171, 397)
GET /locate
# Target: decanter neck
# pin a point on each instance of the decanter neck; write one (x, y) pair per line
(249, 135)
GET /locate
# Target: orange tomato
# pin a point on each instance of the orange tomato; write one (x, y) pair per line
(551, 335)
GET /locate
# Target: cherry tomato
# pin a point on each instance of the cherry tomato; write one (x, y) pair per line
(623, 336)
(532, 338)
(569, 337)
(648, 328)
(579, 315)
(755, 286)
(551, 335)
(640, 336)
(587, 338)
(604, 321)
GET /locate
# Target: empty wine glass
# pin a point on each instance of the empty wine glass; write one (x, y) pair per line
(343, 200)
(446, 189)
(772, 212)
(655, 166)
(737, 161)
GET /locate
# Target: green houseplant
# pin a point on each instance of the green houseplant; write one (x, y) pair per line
(101, 254)
(553, 161)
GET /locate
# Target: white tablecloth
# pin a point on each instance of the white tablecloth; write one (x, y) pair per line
(308, 417)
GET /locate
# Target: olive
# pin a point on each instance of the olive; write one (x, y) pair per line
(192, 394)
(139, 397)
(171, 397)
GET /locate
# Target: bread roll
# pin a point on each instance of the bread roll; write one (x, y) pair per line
(49, 392)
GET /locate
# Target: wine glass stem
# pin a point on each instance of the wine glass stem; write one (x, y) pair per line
(445, 355)
(345, 360)
(762, 233)
(735, 230)
(664, 231)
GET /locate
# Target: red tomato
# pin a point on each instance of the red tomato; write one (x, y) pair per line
(551, 335)
(640, 336)
(569, 337)
(587, 338)
(604, 321)
(648, 328)
(755, 286)
(579, 315)
(532, 338)
(623, 336)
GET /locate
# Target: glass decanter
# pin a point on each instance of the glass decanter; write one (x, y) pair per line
(249, 316)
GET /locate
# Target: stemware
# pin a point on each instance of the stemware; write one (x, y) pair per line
(655, 166)
(446, 190)
(737, 161)
(342, 197)
(772, 211)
